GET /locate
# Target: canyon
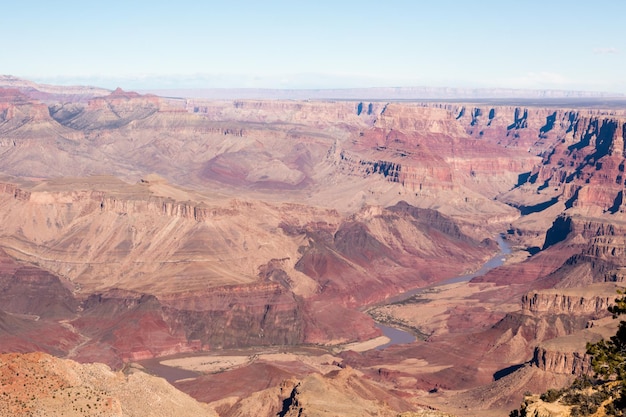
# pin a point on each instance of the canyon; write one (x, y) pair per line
(270, 237)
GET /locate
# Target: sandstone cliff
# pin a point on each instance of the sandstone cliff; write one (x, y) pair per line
(590, 301)
(583, 157)
(567, 354)
(559, 362)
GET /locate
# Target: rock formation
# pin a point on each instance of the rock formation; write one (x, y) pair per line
(134, 227)
(117, 248)
(40, 384)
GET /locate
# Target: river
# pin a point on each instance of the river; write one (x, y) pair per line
(398, 336)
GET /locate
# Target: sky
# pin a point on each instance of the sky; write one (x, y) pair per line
(547, 44)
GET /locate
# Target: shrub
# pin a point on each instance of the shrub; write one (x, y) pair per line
(551, 395)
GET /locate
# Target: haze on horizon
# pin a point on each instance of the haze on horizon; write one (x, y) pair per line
(324, 44)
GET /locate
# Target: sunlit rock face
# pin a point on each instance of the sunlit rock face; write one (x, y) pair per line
(40, 384)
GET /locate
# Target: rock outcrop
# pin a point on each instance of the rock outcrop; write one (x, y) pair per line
(592, 301)
(342, 392)
(39, 384)
(559, 362)
(583, 159)
(567, 354)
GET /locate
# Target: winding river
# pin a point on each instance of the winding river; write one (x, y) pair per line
(398, 336)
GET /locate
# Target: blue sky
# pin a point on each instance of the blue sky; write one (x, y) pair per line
(317, 44)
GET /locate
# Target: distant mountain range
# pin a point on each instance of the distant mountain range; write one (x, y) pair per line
(380, 93)
(377, 93)
(51, 92)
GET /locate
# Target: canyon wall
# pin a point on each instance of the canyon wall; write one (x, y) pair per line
(134, 227)
(559, 362)
(150, 275)
(592, 302)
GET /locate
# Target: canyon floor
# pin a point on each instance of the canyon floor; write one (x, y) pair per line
(292, 258)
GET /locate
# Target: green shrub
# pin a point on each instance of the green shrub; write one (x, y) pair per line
(551, 395)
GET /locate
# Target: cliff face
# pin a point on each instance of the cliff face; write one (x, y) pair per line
(535, 128)
(565, 363)
(120, 327)
(15, 105)
(591, 304)
(424, 149)
(589, 165)
(353, 115)
(566, 355)
(598, 246)
(264, 314)
(64, 222)
(553, 325)
(96, 235)
(582, 151)
(24, 120)
(430, 148)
